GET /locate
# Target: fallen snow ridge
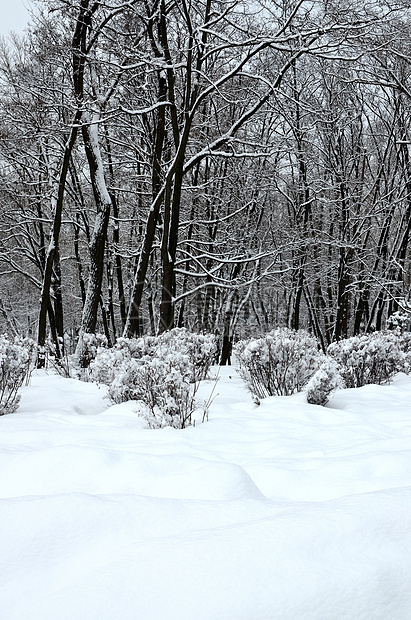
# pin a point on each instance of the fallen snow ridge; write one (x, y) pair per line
(285, 511)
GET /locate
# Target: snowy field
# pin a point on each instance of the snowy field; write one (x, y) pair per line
(285, 511)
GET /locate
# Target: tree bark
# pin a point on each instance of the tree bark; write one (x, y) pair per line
(79, 53)
(99, 235)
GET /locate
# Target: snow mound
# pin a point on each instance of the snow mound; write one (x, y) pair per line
(101, 471)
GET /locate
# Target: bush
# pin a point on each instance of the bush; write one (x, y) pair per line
(280, 363)
(405, 341)
(324, 382)
(108, 362)
(200, 349)
(399, 321)
(369, 358)
(87, 349)
(16, 360)
(161, 373)
(162, 387)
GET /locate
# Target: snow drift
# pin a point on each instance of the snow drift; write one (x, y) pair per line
(286, 511)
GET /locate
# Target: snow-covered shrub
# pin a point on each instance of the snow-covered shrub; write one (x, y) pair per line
(323, 382)
(282, 362)
(109, 361)
(161, 373)
(162, 388)
(87, 349)
(405, 346)
(137, 347)
(369, 358)
(16, 361)
(106, 364)
(399, 321)
(200, 348)
(404, 339)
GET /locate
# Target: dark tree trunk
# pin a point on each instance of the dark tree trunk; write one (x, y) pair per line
(53, 246)
(58, 302)
(227, 345)
(79, 55)
(132, 325)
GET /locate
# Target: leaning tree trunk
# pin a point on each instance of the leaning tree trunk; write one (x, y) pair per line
(98, 238)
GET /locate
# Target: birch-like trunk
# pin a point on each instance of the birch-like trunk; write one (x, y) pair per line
(99, 235)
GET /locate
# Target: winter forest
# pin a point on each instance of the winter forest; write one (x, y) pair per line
(205, 311)
(228, 166)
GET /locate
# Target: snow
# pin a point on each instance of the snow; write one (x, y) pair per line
(285, 511)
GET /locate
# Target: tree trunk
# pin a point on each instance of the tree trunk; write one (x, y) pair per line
(53, 245)
(79, 54)
(99, 235)
(132, 325)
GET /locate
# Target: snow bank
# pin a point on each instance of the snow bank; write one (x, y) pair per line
(285, 511)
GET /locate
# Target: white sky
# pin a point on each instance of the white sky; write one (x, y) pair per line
(14, 15)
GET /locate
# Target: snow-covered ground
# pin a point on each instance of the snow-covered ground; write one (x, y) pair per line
(285, 511)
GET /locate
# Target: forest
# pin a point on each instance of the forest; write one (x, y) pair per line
(228, 166)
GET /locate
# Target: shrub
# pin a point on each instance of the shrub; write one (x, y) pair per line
(109, 361)
(281, 363)
(87, 349)
(323, 382)
(162, 387)
(369, 358)
(199, 348)
(399, 321)
(16, 361)
(161, 373)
